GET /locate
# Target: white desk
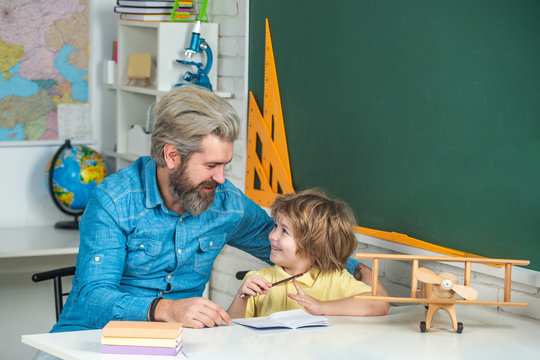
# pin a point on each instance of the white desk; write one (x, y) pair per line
(487, 334)
(24, 305)
(37, 241)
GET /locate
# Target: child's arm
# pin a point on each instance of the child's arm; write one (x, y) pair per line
(252, 286)
(346, 306)
(364, 274)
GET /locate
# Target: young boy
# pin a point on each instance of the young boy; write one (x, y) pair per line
(312, 236)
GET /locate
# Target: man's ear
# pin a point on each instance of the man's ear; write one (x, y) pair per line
(171, 155)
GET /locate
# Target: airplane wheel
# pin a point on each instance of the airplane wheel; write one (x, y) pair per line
(459, 327)
(422, 326)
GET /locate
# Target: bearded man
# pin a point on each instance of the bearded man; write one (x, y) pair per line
(151, 232)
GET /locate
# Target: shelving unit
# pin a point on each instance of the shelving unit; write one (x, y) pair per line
(166, 42)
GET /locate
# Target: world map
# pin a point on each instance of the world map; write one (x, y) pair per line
(43, 63)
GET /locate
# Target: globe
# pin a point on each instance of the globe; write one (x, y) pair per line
(76, 172)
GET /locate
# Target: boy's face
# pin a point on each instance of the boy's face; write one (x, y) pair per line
(284, 248)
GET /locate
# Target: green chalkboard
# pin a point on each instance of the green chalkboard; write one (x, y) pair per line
(424, 115)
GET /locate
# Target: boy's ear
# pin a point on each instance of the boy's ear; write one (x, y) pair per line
(171, 155)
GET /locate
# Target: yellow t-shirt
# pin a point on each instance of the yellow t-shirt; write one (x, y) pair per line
(329, 286)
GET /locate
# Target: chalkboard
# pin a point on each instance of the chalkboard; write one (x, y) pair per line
(424, 115)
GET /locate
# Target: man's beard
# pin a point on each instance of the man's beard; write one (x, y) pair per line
(191, 197)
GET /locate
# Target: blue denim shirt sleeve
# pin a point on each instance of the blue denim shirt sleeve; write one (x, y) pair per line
(252, 231)
(351, 265)
(100, 265)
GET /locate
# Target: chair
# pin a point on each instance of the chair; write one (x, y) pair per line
(56, 275)
(241, 274)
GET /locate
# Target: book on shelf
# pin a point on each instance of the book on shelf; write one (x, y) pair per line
(142, 329)
(140, 350)
(145, 17)
(185, 4)
(142, 10)
(184, 15)
(151, 342)
(139, 3)
(291, 319)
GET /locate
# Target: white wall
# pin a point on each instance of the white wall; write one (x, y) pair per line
(231, 17)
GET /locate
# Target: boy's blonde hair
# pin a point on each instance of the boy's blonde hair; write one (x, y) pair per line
(322, 227)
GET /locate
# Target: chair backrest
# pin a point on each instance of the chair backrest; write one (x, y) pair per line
(56, 275)
(241, 274)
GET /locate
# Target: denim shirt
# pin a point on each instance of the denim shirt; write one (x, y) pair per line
(133, 249)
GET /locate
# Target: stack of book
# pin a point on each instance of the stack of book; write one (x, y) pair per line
(141, 338)
(145, 10)
(184, 11)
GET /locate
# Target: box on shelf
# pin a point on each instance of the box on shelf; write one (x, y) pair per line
(138, 141)
(109, 72)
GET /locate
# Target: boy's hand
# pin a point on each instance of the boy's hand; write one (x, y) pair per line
(312, 305)
(254, 285)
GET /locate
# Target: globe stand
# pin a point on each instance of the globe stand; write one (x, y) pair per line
(68, 225)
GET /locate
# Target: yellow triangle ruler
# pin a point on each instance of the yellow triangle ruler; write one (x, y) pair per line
(268, 171)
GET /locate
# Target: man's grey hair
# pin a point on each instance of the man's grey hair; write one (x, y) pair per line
(185, 115)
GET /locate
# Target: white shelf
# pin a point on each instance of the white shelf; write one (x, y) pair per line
(152, 91)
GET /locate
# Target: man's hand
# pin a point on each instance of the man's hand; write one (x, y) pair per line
(192, 312)
(312, 305)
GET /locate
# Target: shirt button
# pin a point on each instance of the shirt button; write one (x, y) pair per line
(169, 276)
(179, 251)
(161, 293)
(96, 258)
(142, 246)
(211, 243)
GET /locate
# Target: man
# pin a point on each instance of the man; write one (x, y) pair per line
(151, 232)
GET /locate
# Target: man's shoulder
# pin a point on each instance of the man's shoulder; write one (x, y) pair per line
(229, 189)
(125, 181)
(229, 197)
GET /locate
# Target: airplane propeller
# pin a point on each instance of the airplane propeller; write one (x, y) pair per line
(447, 282)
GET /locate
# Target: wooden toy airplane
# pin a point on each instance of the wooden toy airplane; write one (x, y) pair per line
(440, 291)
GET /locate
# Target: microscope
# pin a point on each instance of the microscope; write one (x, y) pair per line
(198, 45)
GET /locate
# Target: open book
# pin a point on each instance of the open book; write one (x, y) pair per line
(291, 319)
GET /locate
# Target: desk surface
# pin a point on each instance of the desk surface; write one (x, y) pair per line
(487, 333)
(37, 241)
